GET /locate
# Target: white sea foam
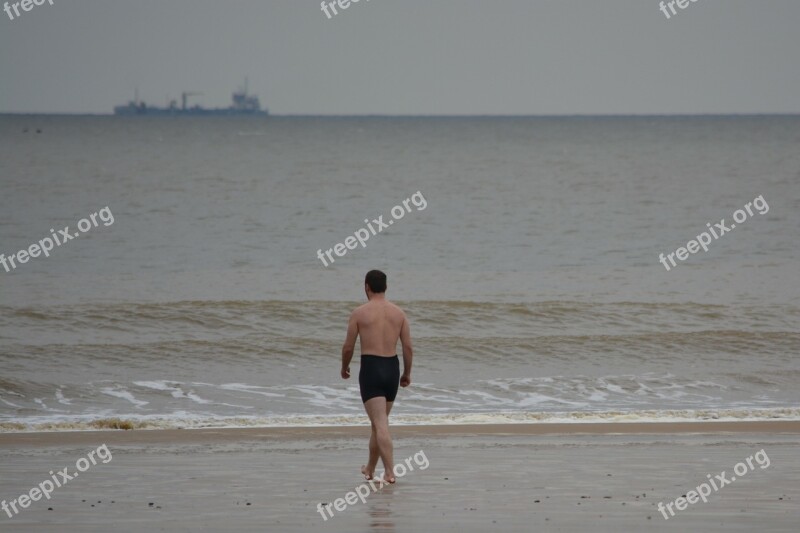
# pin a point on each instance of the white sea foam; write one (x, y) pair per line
(124, 394)
(60, 397)
(183, 419)
(249, 389)
(10, 404)
(173, 388)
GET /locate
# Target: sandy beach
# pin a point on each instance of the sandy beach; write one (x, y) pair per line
(552, 477)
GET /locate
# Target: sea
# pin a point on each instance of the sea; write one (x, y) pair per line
(531, 278)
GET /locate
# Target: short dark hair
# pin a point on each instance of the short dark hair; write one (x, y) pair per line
(376, 280)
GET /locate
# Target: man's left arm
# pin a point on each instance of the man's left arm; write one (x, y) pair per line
(349, 345)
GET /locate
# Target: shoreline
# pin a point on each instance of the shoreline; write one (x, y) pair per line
(499, 477)
(215, 435)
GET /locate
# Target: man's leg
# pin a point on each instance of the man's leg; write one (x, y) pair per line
(378, 411)
(374, 454)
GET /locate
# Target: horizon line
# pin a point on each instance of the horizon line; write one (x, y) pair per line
(379, 115)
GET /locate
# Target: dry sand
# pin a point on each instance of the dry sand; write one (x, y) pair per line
(531, 477)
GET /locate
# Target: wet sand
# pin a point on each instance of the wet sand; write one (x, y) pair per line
(542, 477)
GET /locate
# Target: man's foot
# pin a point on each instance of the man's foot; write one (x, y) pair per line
(367, 474)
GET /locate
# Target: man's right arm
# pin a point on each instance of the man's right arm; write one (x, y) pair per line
(408, 352)
(349, 345)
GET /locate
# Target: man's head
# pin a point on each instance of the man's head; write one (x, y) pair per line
(375, 283)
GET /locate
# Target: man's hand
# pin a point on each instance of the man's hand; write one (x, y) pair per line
(346, 373)
(405, 380)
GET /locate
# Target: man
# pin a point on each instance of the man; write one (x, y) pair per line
(380, 324)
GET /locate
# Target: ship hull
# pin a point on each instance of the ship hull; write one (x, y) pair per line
(129, 111)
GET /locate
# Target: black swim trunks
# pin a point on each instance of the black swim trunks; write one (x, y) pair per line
(379, 376)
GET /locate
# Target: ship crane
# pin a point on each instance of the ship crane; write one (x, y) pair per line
(185, 95)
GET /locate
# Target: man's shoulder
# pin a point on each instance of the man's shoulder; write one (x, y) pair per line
(396, 308)
(361, 309)
(370, 307)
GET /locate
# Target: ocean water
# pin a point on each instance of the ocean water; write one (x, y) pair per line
(531, 277)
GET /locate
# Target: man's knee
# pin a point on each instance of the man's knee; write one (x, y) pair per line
(382, 431)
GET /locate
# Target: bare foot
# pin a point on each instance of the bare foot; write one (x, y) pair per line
(390, 479)
(367, 474)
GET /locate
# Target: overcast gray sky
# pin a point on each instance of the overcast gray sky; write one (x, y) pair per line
(407, 56)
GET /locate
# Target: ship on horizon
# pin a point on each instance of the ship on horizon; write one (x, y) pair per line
(242, 104)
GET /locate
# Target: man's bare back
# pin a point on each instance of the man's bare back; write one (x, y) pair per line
(380, 325)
